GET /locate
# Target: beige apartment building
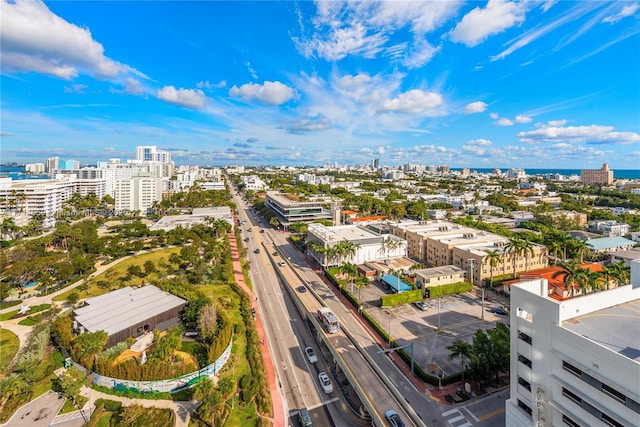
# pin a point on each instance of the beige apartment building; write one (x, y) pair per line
(604, 175)
(440, 243)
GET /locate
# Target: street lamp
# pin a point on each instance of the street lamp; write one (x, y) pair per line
(389, 330)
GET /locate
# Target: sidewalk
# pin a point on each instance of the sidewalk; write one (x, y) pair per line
(276, 398)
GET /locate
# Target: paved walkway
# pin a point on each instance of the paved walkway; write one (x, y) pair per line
(276, 398)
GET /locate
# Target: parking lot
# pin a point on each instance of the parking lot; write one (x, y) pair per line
(432, 330)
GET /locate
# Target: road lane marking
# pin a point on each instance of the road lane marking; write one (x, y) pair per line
(491, 414)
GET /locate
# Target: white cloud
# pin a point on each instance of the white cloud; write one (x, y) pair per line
(414, 102)
(308, 125)
(494, 116)
(251, 70)
(497, 16)
(480, 141)
(77, 88)
(475, 107)
(547, 5)
(365, 29)
(132, 86)
(523, 119)
(628, 10)
(556, 123)
(594, 134)
(504, 122)
(208, 85)
(272, 93)
(34, 39)
(189, 98)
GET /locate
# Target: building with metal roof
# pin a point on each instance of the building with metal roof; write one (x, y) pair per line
(129, 312)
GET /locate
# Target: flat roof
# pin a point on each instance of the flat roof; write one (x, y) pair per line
(609, 242)
(120, 309)
(616, 328)
(443, 270)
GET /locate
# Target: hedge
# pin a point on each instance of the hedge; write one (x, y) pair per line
(453, 288)
(401, 298)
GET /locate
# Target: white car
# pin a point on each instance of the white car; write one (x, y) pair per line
(393, 418)
(325, 382)
(282, 264)
(311, 355)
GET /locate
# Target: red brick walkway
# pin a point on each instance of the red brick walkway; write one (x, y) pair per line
(276, 399)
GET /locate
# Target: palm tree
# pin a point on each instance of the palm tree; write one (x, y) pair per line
(582, 248)
(555, 248)
(515, 248)
(527, 249)
(360, 282)
(618, 271)
(572, 274)
(493, 258)
(463, 350)
(350, 270)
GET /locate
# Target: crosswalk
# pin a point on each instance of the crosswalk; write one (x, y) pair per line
(455, 418)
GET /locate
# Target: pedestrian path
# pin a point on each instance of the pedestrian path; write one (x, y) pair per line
(276, 398)
(455, 418)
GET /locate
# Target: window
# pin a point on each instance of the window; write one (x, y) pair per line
(524, 361)
(524, 383)
(571, 395)
(524, 337)
(572, 369)
(613, 393)
(525, 407)
(568, 421)
(610, 421)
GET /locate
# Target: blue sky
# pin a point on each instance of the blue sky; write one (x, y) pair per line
(535, 84)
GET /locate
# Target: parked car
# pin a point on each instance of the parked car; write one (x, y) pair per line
(262, 231)
(253, 313)
(421, 305)
(301, 289)
(498, 310)
(311, 355)
(325, 382)
(393, 418)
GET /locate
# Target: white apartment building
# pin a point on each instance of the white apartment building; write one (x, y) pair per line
(609, 228)
(137, 193)
(30, 196)
(35, 168)
(575, 362)
(371, 246)
(254, 183)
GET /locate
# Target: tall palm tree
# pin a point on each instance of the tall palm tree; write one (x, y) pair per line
(493, 258)
(350, 270)
(555, 248)
(462, 350)
(360, 282)
(527, 248)
(514, 247)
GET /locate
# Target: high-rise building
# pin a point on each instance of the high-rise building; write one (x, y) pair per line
(604, 175)
(444, 169)
(574, 362)
(375, 164)
(137, 193)
(52, 164)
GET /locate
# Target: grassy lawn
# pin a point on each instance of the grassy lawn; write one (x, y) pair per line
(70, 407)
(9, 344)
(34, 309)
(8, 315)
(116, 275)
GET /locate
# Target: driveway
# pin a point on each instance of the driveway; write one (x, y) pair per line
(37, 413)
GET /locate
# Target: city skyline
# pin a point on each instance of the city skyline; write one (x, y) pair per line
(532, 84)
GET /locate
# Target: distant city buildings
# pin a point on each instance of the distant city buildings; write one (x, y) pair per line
(604, 175)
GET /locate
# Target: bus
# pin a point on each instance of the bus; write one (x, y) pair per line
(328, 320)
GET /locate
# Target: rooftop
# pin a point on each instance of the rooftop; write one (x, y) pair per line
(609, 242)
(616, 328)
(117, 310)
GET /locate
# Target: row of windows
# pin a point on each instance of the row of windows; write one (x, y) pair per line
(605, 388)
(590, 408)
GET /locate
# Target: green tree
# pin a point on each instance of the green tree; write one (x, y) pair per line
(88, 344)
(73, 298)
(572, 275)
(462, 350)
(69, 384)
(493, 258)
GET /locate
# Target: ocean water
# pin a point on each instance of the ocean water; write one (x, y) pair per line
(18, 172)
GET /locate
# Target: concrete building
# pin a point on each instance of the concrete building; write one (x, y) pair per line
(604, 175)
(609, 244)
(254, 183)
(137, 193)
(371, 246)
(52, 164)
(289, 211)
(575, 362)
(197, 216)
(34, 168)
(129, 312)
(437, 276)
(609, 228)
(438, 243)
